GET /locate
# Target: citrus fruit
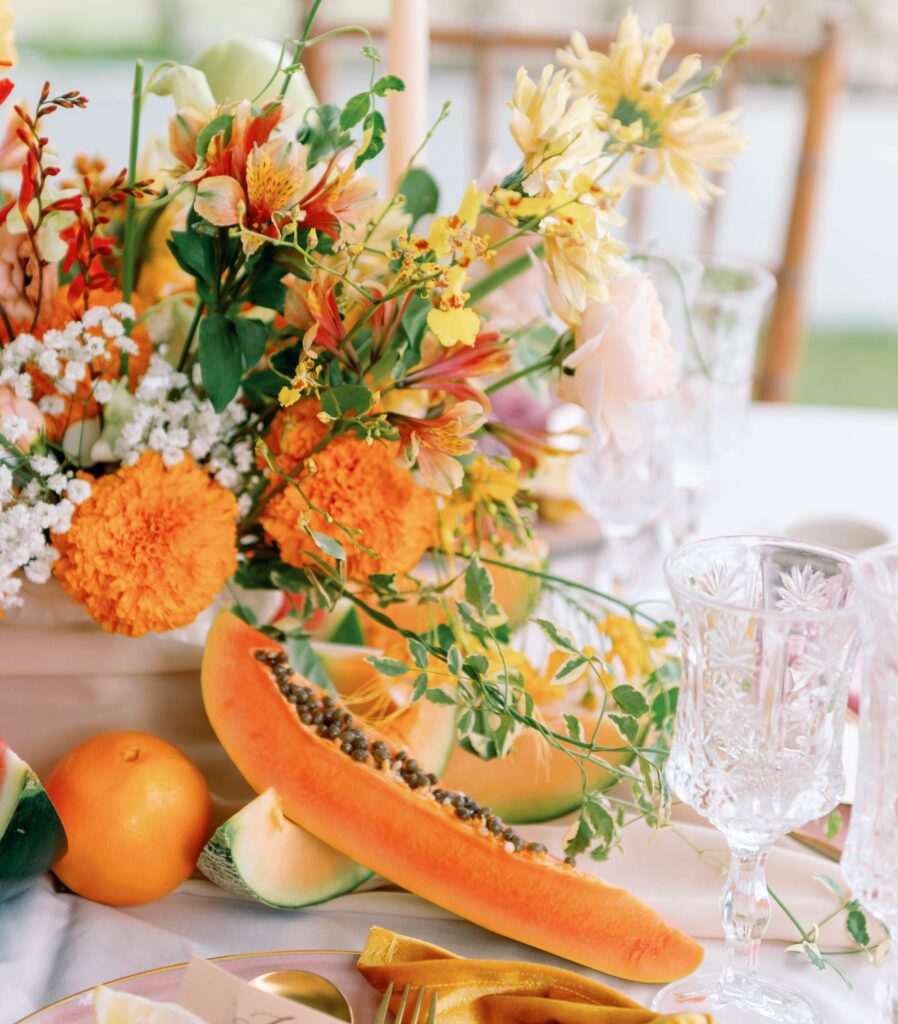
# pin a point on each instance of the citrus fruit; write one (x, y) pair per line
(136, 814)
(112, 1007)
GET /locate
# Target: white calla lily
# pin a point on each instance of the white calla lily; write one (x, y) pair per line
(243, 68)
(186, 85)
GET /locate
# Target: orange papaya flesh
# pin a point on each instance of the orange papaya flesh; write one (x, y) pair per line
(380, 812)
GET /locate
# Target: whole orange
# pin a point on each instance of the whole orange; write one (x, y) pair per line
(136, 814)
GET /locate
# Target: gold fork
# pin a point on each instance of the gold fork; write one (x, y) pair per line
(400, 1017)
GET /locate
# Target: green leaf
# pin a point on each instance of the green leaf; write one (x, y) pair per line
(328, 545)
(666, 629)
(856, 923)
(421, 193)
(629, 700)
(454, 659)
(569, 666)
(261, 387)
(560, 637)
(375, 129)
(628, 726)
(349, 631)
(574, 728)
(420, 686)
(355, 109)
(221, 362)
(599, 816)
(220, 125)
(813, 954)
(346, 399)
(389, 666)
(266, 287)
(321, 133)
(439, 697)
(664, 707)
(245, 613)
(833, 824)
(252, 334)
(671, 671)
(478, 587)
(830, 884)
(478, 663)
(581, 838)
(194, 253)
(387, 84)
(306, 661)
(418, 652)
(479, 745)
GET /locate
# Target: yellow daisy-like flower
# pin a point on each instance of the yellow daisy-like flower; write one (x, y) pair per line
(662, 116)
(582, 257)
(556, 133)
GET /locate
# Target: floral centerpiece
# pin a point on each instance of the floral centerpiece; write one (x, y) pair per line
(239, 363)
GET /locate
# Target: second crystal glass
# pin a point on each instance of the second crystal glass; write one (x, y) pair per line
(768, 637)
(870, 861)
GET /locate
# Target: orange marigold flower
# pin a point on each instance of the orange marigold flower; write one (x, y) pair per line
(295, 433)
(151, 547)
(362, 487)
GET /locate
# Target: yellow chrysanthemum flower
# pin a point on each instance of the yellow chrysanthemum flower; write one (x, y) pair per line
(556, 134)
(582, 257)
(674, 122)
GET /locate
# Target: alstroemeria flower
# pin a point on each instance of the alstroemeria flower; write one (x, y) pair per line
(527, 445)
(434, 443)
(264, 201)
(312, 307)
(451, 372)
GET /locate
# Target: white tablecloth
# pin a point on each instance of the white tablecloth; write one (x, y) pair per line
(795, 463)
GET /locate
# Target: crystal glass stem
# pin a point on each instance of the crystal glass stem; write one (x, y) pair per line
(887, 985)
(745, 913)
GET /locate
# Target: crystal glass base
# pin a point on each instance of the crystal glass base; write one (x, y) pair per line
(764, 1000)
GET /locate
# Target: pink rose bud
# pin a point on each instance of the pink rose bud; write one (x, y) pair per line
(20, 409)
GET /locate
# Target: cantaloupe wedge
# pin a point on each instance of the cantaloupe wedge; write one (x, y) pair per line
(367, 802)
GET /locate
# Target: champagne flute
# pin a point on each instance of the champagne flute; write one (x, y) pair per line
(870, 861)
(768, 636)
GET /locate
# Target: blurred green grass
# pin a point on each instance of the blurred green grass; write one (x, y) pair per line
(850, 365)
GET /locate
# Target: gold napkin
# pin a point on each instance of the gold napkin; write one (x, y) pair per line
(499, 991)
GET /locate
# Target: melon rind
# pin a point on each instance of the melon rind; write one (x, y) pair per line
(32, 838)
(259, 854)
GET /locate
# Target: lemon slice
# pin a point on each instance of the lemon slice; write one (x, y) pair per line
(111, 1007)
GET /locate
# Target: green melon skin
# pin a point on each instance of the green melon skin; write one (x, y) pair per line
(32, 838)
(261, 854)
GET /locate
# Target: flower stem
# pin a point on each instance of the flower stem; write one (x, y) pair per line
(542, 364)
(130, 208)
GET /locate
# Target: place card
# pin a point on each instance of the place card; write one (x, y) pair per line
(218, 997)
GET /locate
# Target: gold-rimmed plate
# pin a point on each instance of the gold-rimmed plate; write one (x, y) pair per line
(161, 983)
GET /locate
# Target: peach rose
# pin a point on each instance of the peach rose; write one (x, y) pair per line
(19, 278)
(12, 405)
(623, 357)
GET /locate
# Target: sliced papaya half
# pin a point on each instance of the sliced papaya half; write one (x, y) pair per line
(358, 793)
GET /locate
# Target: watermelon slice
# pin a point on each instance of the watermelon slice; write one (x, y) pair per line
(31, 835)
